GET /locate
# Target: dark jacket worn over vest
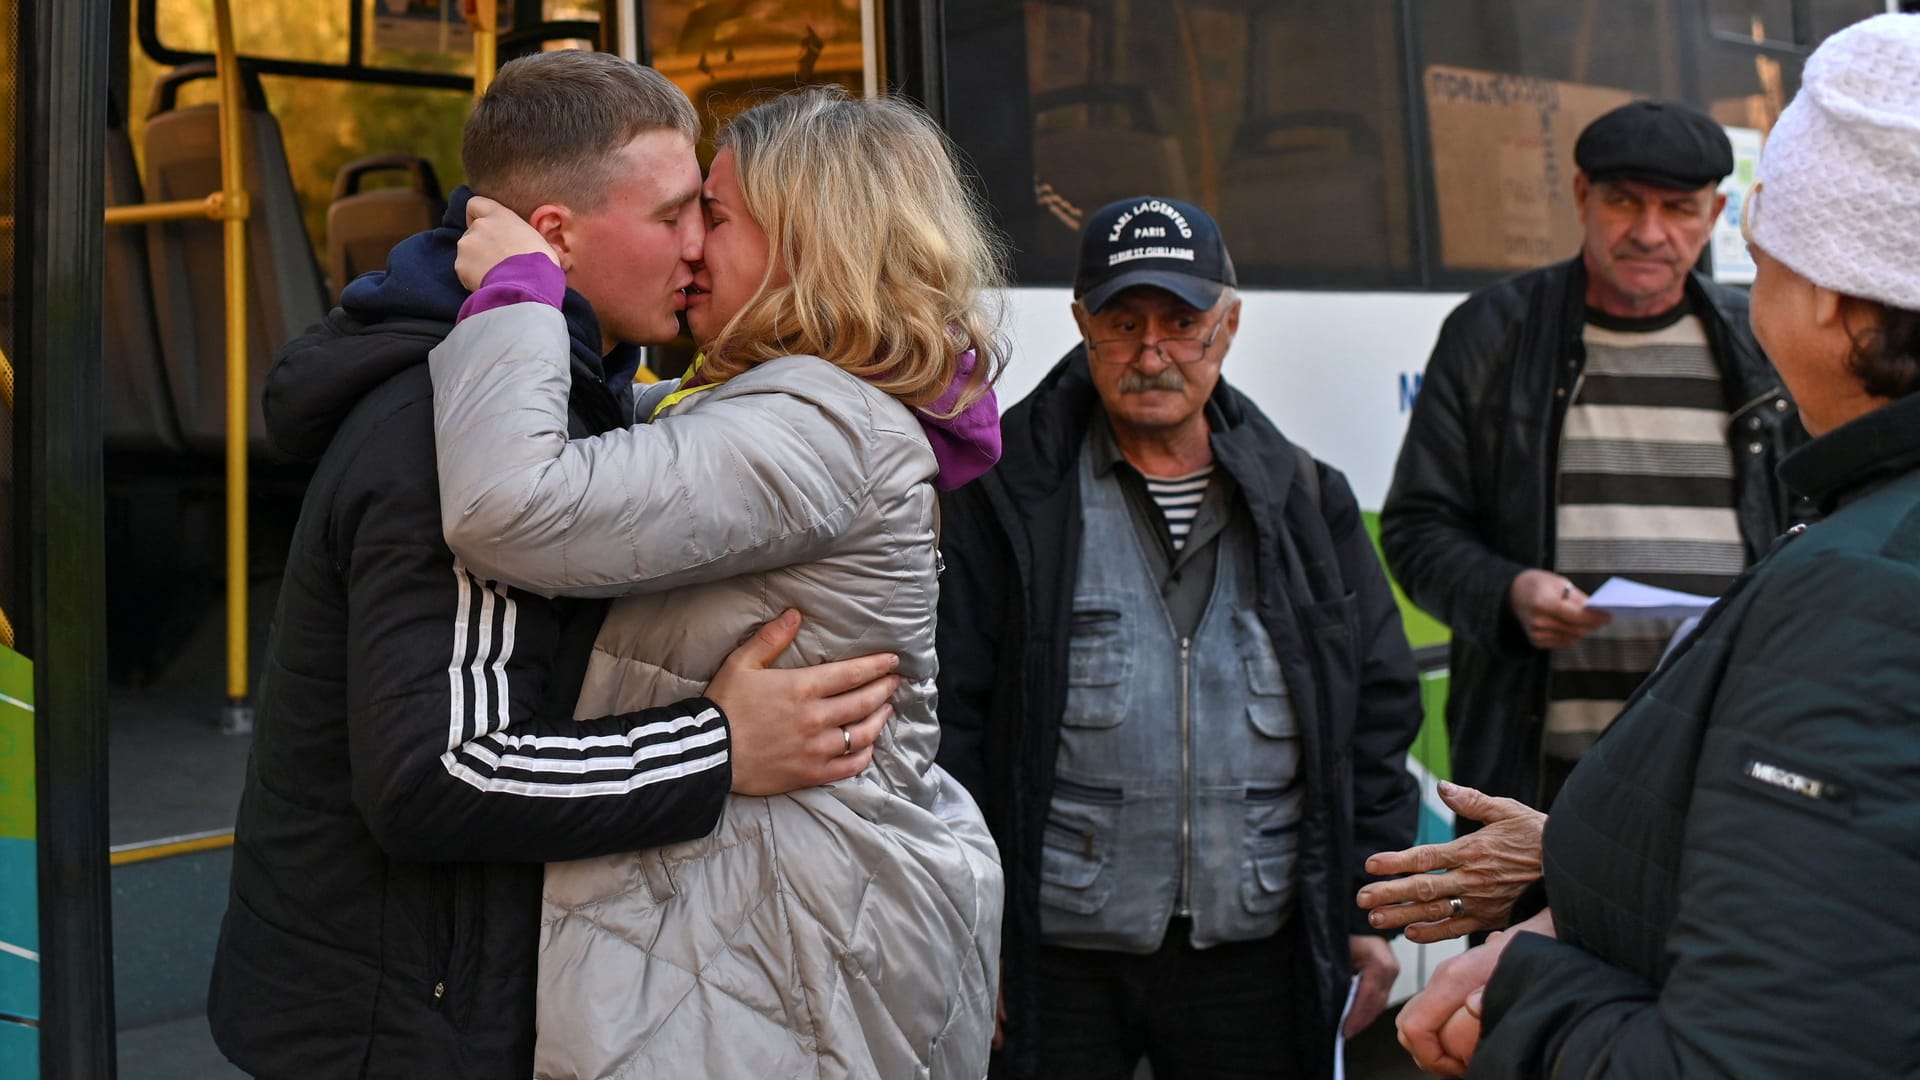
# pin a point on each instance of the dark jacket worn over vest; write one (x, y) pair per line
(1011, 543)
(1732, 868)
(416, 761)
(1473, 499)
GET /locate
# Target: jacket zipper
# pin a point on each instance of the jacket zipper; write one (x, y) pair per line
(1185, 905)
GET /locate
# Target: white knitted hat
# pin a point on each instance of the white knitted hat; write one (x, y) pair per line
(1840, 202)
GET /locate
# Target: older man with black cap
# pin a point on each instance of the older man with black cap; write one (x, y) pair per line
(1172, 672)
(1606, 416)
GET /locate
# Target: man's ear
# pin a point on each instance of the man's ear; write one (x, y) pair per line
(557, 225)
(1083, 320)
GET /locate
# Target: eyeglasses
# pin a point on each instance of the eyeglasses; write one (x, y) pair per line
(1179, 350)
(1749, 210)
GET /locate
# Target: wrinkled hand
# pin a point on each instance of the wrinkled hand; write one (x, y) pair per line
(1552, 612)
(1440, 1025)
(1374, 962)
(1486, 870)
(494, 235)
(785, 724)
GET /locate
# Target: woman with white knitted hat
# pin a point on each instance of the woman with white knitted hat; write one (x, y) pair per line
(1730, 873)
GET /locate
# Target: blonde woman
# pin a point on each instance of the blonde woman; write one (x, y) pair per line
(846, 931)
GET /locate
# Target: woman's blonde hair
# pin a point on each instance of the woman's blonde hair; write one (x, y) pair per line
(893, 266)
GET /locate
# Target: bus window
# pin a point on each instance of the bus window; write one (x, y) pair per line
(726, 56)
(1284, 121)
(1752, 20)
(327, 122)
(1795, 24)
(1507, 86)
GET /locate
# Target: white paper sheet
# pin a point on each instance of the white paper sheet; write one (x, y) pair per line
(1627, 599)
(1340, 1031)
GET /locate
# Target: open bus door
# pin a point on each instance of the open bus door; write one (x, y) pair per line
(71, 972)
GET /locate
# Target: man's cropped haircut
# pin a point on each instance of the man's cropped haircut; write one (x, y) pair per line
(549, 127)
(894, 266)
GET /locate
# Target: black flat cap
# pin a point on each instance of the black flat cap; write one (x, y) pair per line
(1659, 142)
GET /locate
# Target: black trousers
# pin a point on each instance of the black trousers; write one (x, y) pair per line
(1244, 1011)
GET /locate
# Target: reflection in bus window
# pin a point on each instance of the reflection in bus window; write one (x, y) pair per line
(1284, 121)
(1753, 20)
(325, 123)
(726, 54)
(1508, 84)
(1503, 164)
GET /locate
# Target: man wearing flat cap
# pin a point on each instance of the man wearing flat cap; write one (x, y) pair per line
(1606, 416)
(1173, 674)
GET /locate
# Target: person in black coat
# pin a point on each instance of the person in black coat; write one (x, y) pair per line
(1729, 874)
(1313, 634)
(1605, 416)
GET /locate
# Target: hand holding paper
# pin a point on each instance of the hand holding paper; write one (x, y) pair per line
(1626, 599)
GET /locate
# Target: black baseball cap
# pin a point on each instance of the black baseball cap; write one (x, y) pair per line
(1658, 142)
(1149, 240)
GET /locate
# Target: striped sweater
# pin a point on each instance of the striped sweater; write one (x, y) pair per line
(1645, 492)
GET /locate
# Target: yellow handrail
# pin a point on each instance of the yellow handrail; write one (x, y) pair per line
(214, 206)
(238, 717)
(483, 16)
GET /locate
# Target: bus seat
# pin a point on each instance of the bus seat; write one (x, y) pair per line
(137, 411)
(285, 294)
(1305, 188)
(1119, 148)
(363, 226)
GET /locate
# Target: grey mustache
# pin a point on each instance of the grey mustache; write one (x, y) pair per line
(1169, 379)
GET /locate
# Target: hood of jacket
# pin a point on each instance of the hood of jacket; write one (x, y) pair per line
(967, 443)
(388, 320)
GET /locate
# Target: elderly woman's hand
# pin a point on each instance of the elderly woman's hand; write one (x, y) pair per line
(494, 235)
(1440, 1025)
(1482, 872)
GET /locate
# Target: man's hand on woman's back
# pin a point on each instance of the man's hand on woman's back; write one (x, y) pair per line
(795, 728)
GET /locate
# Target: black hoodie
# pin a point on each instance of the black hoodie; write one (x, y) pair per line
(415, 760)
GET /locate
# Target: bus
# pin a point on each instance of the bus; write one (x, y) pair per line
(1370, 162)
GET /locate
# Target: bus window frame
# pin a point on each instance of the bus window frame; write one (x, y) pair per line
(530, 30)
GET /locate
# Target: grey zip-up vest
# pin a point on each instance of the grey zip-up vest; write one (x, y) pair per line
(1175, 789)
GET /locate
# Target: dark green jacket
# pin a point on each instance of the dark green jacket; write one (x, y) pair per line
(1733, 869)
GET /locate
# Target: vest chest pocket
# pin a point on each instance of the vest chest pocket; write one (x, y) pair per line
(1099, 663)
(1268, 708)
(1075, 846)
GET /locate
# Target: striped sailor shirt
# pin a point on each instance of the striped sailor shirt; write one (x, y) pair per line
(1645, 491)
(1179, 500)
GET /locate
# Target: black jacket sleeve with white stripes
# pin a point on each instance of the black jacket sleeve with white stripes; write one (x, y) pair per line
(457, 752)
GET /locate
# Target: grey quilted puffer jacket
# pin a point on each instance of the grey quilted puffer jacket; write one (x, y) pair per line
(845, 931)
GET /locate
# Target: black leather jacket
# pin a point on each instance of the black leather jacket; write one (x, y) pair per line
(1472, 502)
